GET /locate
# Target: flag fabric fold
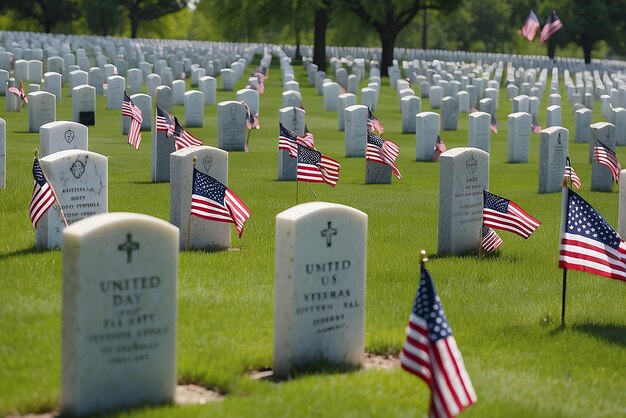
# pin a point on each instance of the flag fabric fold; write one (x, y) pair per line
(19, 92)
(430, 352)
(315, 167)
(588, 242)
(607, 157)
(552, 26)
(491, 241)
(252, 118)
(439, 148)
(373, 124)
(382, 151)
(501, 213)
(213, 201)
(530, 26)
(182, 138)
(570, 174)
(288, 140)
(165, 122)
(134, 131)
(43, 196)
(534, 124)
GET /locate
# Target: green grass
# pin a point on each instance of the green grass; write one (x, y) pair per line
(504, 309)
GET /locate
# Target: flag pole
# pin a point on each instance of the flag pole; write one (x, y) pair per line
(423, 258)
(567, 182)
(189, 221)
(248, 138)
(51, 188)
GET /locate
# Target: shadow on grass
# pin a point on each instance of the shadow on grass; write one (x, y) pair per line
(469, 254)
(23, 251)
(614, 334)
(313, 368)
(212, 249)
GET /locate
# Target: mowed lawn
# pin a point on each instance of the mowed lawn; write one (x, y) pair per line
(504, 309)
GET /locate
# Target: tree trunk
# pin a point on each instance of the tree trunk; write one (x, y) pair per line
(424, 29)
(587, 51)
(319, 39)
(551, 48)
(134, 26)
(388, 39)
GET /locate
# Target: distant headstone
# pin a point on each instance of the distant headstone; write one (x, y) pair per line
(120, 273)
(411, 106)
(320, 262)
(80, 182)
(518, 137)
(449, 114)
(355, 130)
(331, 95)
(582, 120)
(194, 108)
(436, 95)
(62, 135)
(619, 120)
(463, 175)
(195, 232)
(292, 118)
(463, 101)
(208, 86)
(162, 147)
(369, 98)
(84, 105)
(178, 92)
(163, 97)
(231, 126)
(521, 104)
(553, 116)
(251, 98)
(97, 79)
(135, 80)
(115, 91)
(601, 176)
(479, 131)
(345, 100)
(78, 78)
(553, 147)
(35, 71)
(291, 98)
(228, 79)
(41, 109)
(426, 132)
(353, 84)
(152, 82)
(52, 84)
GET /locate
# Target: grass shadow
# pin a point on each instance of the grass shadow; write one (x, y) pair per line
(614, 334)
(23, 251)
(313, 368)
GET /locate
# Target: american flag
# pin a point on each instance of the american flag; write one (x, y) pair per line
(570, 174)
(552, 26)
(493, 124)
(373, 124)
(252, 118)
(182, 138)
(315, 167)
(439, 148)
(43, 196)
(589, 243)
(134, 132)
(288, 140)
(430, 352)
(607, 157)
(211, 200)
(165, 122)
(535, 125)
(530, 26)
(382, 151)
(491, 241)
(501, 213)
(19, 92)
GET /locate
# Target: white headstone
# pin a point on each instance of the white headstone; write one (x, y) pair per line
(463, 101)
(356, 130)
(479, 131)
(78, 78)
(518, 137)
(41, 109)
(463, 175)
(80, 182)
(194, 108)
(553, 116)
(115, 91)
(436, 95)
(62, 135)
(97, 79)
(320, 265)
(426, 132)
(292, 118)
(152, 82)
(619, 120)
(120, 273)
(331, 95)
(208, 86)
(345, 100)
(228, 79)
(369, 98)
(135, 79)
(601, 176)
(178, 92)
(521, 104)
(35, 71)
(291, 98)
(52, 84)
(582, 120)
(251, 97)
(553, 147)
(231, 126)
(195, 232)
(449, 114)
(163, 97)
(84, 105)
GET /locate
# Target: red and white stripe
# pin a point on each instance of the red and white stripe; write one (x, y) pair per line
(42, 199)
(386, 154)
(580, 253)
(516, 220)
(134, 131)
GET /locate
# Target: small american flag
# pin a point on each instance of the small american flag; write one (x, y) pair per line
(43, 196)
(491, 241)
(530, 26)
(536, 127)
(552, 26)
(252, 118)
(439, 148)
(315, 167)
(213, 201)
(288, 140)
(165, 122)
(607, 157)
(501, 213)
(134, 132)
(493, 124)
(589, 243)
(570, 174)
(19, 92)
(373, 124)
(382, 151)
(430, 352)
(182, 138)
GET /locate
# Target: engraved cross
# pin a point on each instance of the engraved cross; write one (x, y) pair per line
(328, 233)
(129, 246)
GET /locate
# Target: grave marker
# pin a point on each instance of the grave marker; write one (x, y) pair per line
(553, 147)
(231, 126)
(41, 109)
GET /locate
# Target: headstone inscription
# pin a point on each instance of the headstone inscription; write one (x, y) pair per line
(119, 313)
(231, 126)
(80, 181)
(195, 232)
(553, 146)
(320, 267)
(463, 175)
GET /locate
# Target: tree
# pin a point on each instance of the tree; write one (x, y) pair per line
(322, 17)
(141, 10)
(103, 17)
(47, 13)
(388, 18)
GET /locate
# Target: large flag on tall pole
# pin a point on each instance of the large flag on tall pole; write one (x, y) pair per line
(552, 26)
(430, 352)
(43, 196)
(530, 26)
(588, 243)
(382, 151)
(211, 200)
(501, 213)
(134, 131)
